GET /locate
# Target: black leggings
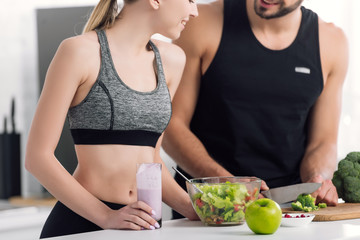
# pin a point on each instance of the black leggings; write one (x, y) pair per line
(63, 221)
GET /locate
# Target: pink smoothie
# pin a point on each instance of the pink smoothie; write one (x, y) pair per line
(151, 197)
(148, 181)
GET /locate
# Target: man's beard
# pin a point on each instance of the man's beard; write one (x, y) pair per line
(261, 12)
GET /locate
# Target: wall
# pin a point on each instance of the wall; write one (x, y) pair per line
(19, 68)
(345, 15)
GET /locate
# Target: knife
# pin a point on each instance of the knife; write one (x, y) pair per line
(290, 192)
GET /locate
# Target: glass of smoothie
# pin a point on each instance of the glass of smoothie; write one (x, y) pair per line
(148, 182)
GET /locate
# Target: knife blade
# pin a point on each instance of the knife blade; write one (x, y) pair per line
(290, 192)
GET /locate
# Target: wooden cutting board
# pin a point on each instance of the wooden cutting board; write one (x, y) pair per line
(340, 212)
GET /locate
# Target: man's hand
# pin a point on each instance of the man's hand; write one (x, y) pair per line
(263, 187)
(326, 193)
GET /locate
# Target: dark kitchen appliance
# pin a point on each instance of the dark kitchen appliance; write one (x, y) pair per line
(10, 180)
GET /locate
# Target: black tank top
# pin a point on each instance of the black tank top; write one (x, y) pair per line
(254, 104)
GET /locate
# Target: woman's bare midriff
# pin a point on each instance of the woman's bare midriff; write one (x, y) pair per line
(109, 171)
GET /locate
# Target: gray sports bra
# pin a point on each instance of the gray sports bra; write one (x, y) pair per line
(113, 113)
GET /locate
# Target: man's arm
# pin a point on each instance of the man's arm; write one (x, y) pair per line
(179, 142)
(320, 159)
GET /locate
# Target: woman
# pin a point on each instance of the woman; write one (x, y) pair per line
(110, 83)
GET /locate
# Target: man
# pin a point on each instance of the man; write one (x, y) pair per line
(260, 95)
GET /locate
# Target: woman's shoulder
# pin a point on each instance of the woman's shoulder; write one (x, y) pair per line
(78, 55)
(173, 59)
(170, 53)
(84, 45)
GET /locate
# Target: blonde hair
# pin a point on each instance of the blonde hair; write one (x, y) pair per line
(104, 15)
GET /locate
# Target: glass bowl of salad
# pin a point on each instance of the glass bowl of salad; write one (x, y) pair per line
(222, 201)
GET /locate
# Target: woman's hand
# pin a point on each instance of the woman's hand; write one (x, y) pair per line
(135, 216)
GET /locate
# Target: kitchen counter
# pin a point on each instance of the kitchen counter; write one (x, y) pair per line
(21, 222)
(184, 229)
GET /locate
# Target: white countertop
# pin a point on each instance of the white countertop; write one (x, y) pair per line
(21, 223)
(26, 223)
(184, 229)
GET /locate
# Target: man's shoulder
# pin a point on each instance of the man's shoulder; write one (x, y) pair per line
(210, 9)
(333, 47)
(200, 32)
(210, 12)
(210, 5)
(332, 38)
(331, 31)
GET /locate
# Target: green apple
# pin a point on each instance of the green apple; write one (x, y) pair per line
(263, 216)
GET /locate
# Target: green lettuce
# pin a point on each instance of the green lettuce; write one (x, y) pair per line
(222, 203)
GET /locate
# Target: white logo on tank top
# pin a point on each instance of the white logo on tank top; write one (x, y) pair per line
(302, 70)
